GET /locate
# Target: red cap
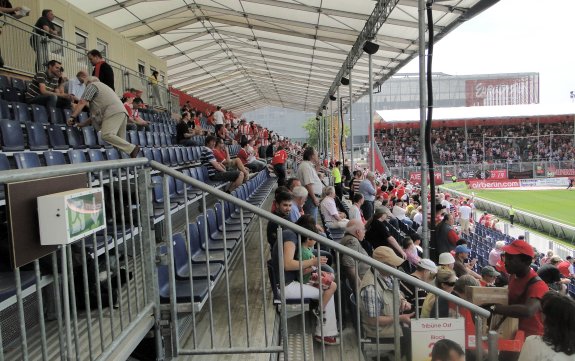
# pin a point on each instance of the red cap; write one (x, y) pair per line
(128, 95)
(563, 267)
(519, 247)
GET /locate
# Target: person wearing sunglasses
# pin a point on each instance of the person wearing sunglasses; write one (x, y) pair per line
(445, 279)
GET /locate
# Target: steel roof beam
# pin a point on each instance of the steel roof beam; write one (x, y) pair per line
(163, 30)
(380, 14)
(180, 41)
(115, 7)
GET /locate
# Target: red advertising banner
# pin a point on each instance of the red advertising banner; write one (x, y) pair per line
(562, 172)
(498, 174)
(502, 91)
(493, 183)
(415, 177)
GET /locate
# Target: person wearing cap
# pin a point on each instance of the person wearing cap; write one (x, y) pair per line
(107, 114)
(445, 280)
(446, 237)
(378, 232)
(460, 268)
(376, 303)
(446, 261)
(488, 276)
(425, 271)
(354, 239)
(495, 253)
(525, 289)
(552, 276)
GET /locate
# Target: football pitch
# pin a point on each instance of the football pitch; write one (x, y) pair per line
(558, 205)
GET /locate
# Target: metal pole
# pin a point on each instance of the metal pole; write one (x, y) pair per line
(483, 152)
(350, 122)
(330, 131)
(466, 143)
(422, 106)
(371, 126)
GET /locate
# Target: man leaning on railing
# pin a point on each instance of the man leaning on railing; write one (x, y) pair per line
(44, 27)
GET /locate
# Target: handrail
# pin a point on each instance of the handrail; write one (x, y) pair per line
(19, 175)
(323, 240)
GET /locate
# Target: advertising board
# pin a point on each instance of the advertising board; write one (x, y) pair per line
(415, 177)
(494, 183)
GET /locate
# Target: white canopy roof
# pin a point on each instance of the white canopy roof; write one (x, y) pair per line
(245, 54)
(486, 112)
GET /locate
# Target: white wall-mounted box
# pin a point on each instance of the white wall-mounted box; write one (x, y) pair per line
(72, 215)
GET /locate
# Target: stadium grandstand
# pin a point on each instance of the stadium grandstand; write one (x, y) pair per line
(144, 217)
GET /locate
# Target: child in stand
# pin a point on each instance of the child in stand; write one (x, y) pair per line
(411, 252)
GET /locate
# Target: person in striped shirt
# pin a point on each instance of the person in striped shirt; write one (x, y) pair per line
(216, 171)
(42, 90)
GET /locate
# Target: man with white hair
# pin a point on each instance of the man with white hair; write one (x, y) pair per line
(495, 254)
(107, 114)
(354, 236)
(333, 218)
(367, 189)
(299, 197)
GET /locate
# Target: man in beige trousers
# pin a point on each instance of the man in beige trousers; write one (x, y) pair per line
(107, 115)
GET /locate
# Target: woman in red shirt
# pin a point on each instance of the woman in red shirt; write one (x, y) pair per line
(278, 162)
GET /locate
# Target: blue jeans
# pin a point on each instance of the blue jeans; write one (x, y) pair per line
(51, 101)
(310, 208)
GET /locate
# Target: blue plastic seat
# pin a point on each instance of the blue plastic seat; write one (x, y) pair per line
(4, 82)
(19, 84)
(37, 139)
(199, 270)
(27, 160)
(54, 158)
(157, 154)
(183, 289)
(12, 136)
(90, 138)
(173, 157)
(179, 155)
(142, 141)
(12, 94)
(198, 253)
(77, 156)
(165, 156)
(215, 239)
(133, 137)
(20, 111)
(39, 114)
(150, 139)
(96, 155)
(55, 115)
(148, 153)
(75, 138)
(56, 138)
(234, 225)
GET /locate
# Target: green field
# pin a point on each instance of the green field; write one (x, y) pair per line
(553, 204)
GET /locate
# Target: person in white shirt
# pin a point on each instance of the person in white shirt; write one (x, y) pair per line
(77, 85)
(399, 212)
(218, 118)
(418, 218)
(464, 217)
(355, 209)
(309, 178)
(557, 342)
(332, 217)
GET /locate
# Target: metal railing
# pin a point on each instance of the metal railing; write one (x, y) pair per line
(227, 325)
(89, 300)
(126, 293)
(25, 51)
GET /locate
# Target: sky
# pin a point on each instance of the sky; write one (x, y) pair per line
(515, 36)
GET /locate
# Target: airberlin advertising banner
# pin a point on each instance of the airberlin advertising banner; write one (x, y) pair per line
(493, 183)
(415, 177)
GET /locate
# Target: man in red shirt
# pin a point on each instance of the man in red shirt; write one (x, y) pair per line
(278, 162)
(526, 289)
(223, 156)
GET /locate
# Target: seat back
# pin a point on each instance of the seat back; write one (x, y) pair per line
(180, 252)
(157, 190)
(148, 153)
(12, 136)
(195, 245)
(150, 139)
(19, 84)
(96, 155)
(37, 139)
(274, 282)
(27, 160)
(173, 158)
(12, 94)
(56, 137)
(112, 154)
(165, 156)
(39, 114)
(55, 115)
(133, 137)
(90, 138)
(77, 156)
(54, 158)
(157, 155)
(142, 141)
(75, 138)
(179, 156)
